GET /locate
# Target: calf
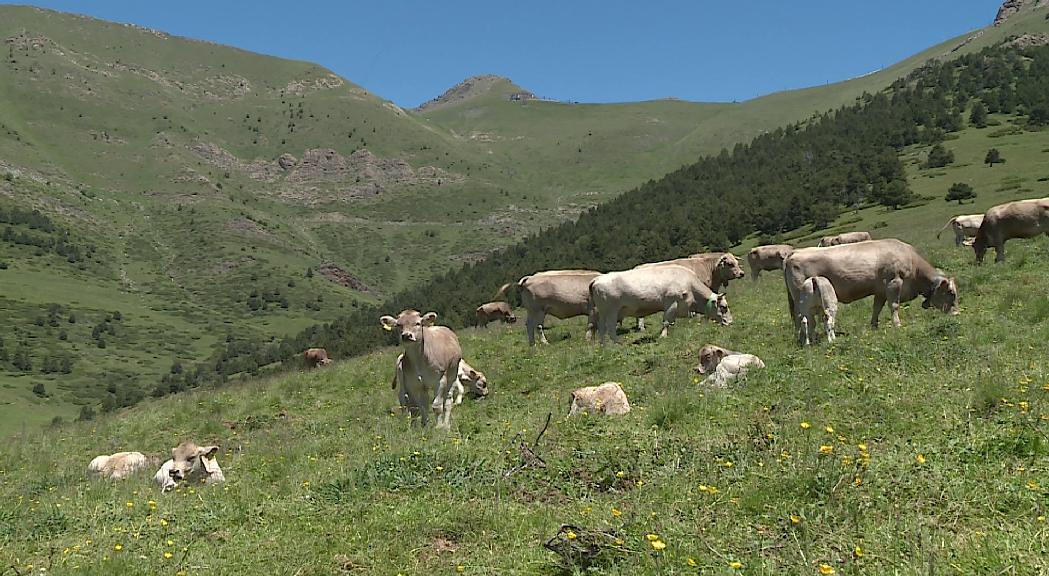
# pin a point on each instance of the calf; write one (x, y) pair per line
(469, 382)
(429, 364)
(846, 238)
(816, 301)
(723, 366)
(607, 398)
(189, 463)
(965, 226)
(486, 313)
(316, 357)
(1021, 219)
(118, 466)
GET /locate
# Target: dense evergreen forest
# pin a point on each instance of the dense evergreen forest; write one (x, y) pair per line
(799, 175)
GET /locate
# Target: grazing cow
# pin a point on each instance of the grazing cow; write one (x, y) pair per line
(816, 301)
(722, 366)
(607, 398)
(430, 364)
(890, 270)
(316, 357)
(674, 290)
(768, 257)
(190, 463)
(846, 238)
(1021, 219)
(469, 382)
(965, 226)
(118, 466)
(494, 311)
(559, 293)
(714, 269)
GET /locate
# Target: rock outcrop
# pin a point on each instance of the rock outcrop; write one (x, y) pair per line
(1028, 40)
(342, 277)
(1011, 7)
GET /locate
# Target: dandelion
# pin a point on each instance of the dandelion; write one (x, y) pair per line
(152, 504)
(1024, 406)
(862, 447)
(728, 464)
(1040, 518)
(826, 449)
(460, 568)
(571, 535)
(163, 522)
(168, 555)
(1033, 485)
(735, 565)
(795, 519)
(857, 552)
(826, 568)
(118, 547)
(652, 537)
(170, 542)
(691, 562)
(620, 474)
(658, 545)
(616, 512)
(130, 504)
(920, 459)
(640, 483)
(829, 429)
(805, 425)
(440, 468)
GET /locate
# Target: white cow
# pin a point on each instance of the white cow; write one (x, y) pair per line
(965, 226)
(118, 466)
(723, 366)
(817, 301)
(189, 463)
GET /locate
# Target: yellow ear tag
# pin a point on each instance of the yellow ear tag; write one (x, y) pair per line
(386, 327)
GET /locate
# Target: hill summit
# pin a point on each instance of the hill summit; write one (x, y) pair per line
(1010, 7)
(475, 87)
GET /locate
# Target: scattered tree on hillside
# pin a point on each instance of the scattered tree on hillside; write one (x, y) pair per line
(959, 191)
(893, 194)
(21, 361)
(822, 214)
(1039, 115)
(978, 116)
(39, 390)
(939, 157)
(87, 412)
(993, 157)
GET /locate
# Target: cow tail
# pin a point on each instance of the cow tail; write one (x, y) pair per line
(816, 290)
(945, 226)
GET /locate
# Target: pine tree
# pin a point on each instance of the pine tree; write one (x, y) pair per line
(993, 157)
(939, 157)
(978, 116)
(959, 191)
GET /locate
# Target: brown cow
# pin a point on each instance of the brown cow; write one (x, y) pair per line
(494, 311)
(715, 269)
(965, 226)
(559, 293)
(430, 364)
(316, 357)
(470, 382)
(1021, 219)
(767, 258)
(191, 463)
(890, 270)
(846, 238)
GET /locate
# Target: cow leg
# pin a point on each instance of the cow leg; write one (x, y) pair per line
(535, 320)
(999, 252)
(608, 327)
(591, 324)
(754, 273)
(803, 333)
(892, 294)
(416, 404)
(959, 237)
(879, 302)
(668, 317)
(640, 324)
(828, 323)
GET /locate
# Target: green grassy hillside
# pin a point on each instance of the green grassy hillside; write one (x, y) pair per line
(897, 451)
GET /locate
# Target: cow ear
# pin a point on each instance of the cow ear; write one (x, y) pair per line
(944, 284)
(208, 451)
(429, 318)
(388, 322)
(474, 374)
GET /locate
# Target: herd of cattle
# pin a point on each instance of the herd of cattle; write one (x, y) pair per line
(431, 375)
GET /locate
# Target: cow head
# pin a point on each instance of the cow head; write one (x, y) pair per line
(709, 358)
(189, 459)
(980, 246)
(511, 318)
(410, 323)
(728, 268)
(944, 296)
(716, 308)
(475, 383)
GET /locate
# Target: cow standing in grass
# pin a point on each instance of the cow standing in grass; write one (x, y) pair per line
(768, 257)
(430, 364)
(890, 270)
(965, 226)
(1022, 219)
(559, 293)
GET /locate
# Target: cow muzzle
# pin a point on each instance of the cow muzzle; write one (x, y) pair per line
(175, 474)
(407, 337)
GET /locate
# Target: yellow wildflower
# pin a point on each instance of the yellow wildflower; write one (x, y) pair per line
(735, 565)
(163, 522)
(118, 547)
(805, 425)
(826, 569)
(652, 537)
(920, 459)
(862, 447)
(691, 562)
(616, 512)
(1033, 485)
(728, 464)
(620, 474)
(170, 542)
(1040, 518)
(826, 449)
(168, 555)
(658, 545)
(857, 552)
(130, 504)
(829, 429)
(570, 535)
(460, 568)
(1024, 406)
(795, 519)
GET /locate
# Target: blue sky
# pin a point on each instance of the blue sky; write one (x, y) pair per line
(582, 50)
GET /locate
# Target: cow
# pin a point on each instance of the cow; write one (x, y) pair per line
(1021, 219)
(117, 466)
(768, 257)
(846, 238)
(890, 270)
(316, 357)
(430, 354)
(965, 226)
(486, 313)
(559, 293)
(469, 382)
(608, 399)
(722, 366)
(714, 269)
(816, 301)
(675, 290)
(189, 463)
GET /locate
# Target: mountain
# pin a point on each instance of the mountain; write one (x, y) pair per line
(195, 200)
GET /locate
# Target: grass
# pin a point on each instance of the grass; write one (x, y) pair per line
(951, 413)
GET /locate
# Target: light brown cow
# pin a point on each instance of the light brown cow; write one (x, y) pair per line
(846, 238)
(674, 290)
(470, 382)
(817, 301)
(608, 399)
(965, 226)
(768, 257)
(190, 463)
(723, 366)
(715, 269)
(430, 364)
(1021, 219)
(890, 270)
(486, 313)
(316, 357)
(559, 293)
(118, 466)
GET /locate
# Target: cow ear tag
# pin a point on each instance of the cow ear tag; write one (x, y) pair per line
(386, 327)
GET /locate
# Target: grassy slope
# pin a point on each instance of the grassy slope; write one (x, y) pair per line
(952, 413)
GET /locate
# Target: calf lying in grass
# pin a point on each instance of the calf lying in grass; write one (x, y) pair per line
(722, 365)
(190, 463)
